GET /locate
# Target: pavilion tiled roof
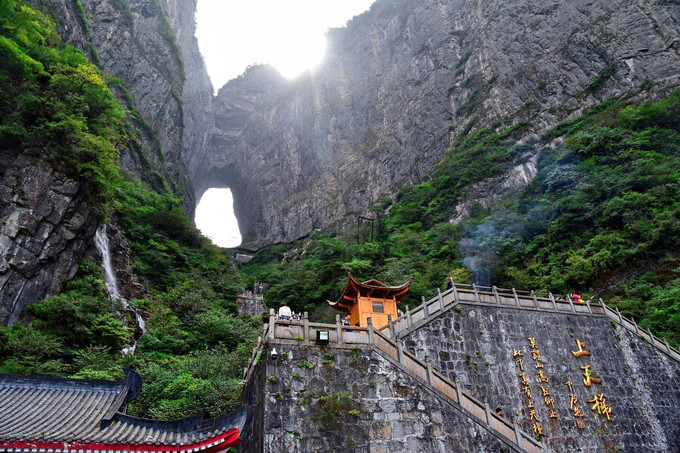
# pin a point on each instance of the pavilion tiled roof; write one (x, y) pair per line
(368, 287)
(88, 415)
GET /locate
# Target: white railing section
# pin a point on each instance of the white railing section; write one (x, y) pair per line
(305, 332)
(529, 300)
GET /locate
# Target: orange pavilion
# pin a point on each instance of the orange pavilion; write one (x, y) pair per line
(370, 299)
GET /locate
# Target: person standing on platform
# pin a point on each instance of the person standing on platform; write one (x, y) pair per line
(284, 312)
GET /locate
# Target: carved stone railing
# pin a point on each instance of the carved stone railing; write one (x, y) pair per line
(305, 332)
(526, 300)
(647, 335)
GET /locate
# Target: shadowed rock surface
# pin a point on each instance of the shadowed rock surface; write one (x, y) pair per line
(46, 227)
(47, 224)
(401, 79)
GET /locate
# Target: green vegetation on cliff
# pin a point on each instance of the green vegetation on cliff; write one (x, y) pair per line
(604, 214)
(602, 218)
(58, 106)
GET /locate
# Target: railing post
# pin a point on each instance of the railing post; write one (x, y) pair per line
(272, 323)
(620, 317)
(668, 347)
(514, 293)
(390, 325)
(518, 436)
(590, 310)
(426, 312)
(455, 293)
(338, 329)
(430, 376)
(369, 321)
(408, 317)
(552, 300)
(441, 299)
(487, 412)
(400, 352)
(459, 394)
(571, 303)
(637, 331)
(495, 294)
(305, 327)
(474, 288)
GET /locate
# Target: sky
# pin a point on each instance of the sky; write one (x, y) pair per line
(288, 34)
(232, 34)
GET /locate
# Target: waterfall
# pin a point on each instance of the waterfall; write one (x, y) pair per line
(101, 240)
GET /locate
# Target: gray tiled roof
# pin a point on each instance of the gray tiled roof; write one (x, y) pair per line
(75, 410)
(48, 409)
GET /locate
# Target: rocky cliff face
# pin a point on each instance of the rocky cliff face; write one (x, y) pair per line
(197, 90)
(47, 226)
(133, 41)
(401, 79)
(396, 85)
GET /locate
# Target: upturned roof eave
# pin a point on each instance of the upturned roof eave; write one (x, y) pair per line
(354, 284)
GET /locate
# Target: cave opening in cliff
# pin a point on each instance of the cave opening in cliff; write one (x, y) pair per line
(216, 219)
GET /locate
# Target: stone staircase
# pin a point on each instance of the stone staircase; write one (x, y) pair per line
(386, 341)
(511, 298)
(305, 332)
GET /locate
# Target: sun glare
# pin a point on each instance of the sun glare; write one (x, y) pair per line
(289, 35)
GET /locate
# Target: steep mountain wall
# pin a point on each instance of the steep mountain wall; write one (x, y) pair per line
(197, 90)
(47, 224)
(401, 79)
(134, 41)
(377, 114)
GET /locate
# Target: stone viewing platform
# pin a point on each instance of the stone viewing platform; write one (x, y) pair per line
(251, 302)
(472, 368)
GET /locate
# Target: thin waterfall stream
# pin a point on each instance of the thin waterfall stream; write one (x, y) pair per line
(101, 240)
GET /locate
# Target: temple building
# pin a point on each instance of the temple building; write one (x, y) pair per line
(370, 299)
(39, 414)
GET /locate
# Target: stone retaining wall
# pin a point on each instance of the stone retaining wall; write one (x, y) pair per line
(396, 412)
(474, 345)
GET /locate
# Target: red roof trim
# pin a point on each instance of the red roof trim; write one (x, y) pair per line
(225, 440)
